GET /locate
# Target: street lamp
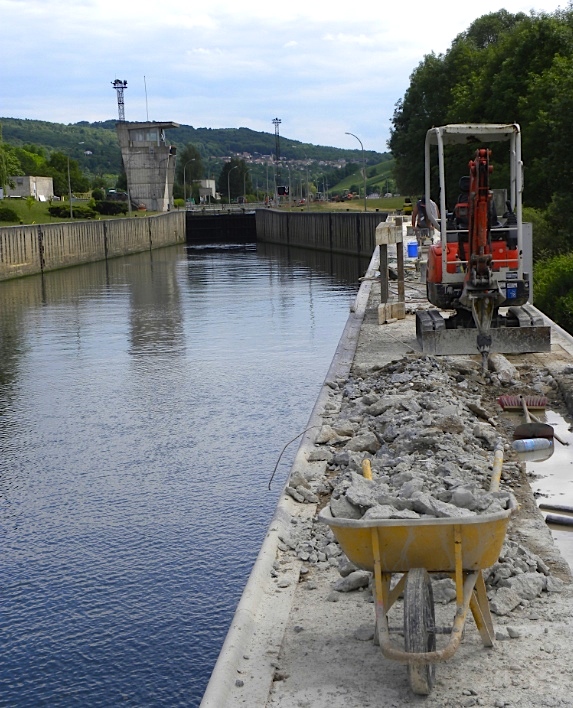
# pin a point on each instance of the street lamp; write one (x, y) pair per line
(229, 182)
(363, 165)
(70, 190)
(184, 180)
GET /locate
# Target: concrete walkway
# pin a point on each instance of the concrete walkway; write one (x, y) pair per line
(291, 645)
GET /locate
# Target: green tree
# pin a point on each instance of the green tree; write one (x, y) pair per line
(425, 104)
(58, 165)
(238, 179)
(32, 160)
(189, 168)
(553, 289)
(9, 165)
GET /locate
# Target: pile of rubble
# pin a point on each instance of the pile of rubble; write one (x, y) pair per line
(429, 428)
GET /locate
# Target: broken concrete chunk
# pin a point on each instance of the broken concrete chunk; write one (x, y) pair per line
(450, 424)
(342, 508)
(328, 435)
(503, 368)
(292, 492)
(504, 601)
(485, 432)
(554, 584)
(444, 591)
(345, 567)
(354, 581)
(368, 442)
(319, 454)
(527, 585)
(344, 428)
(426, 504)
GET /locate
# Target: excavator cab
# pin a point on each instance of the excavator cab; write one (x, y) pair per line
(479, 273)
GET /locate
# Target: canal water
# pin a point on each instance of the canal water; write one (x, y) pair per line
(143, 405)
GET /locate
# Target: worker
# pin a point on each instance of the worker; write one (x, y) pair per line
(425, 220)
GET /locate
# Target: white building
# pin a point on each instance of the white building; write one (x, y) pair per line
(41, 188)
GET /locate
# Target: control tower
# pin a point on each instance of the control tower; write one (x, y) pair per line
(149, 163)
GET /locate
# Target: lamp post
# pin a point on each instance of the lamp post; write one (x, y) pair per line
(70, 190)
(363, 165)
(185, 181)
(126, 165)
(229, 182)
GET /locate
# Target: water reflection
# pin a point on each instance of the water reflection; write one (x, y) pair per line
(143, 405)
(553, 482)
(156, 318)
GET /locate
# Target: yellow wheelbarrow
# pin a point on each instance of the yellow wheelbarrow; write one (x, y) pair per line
(461, 547)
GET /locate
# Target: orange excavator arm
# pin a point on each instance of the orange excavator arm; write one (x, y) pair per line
(480, 198)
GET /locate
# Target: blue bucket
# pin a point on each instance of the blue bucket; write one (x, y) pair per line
(412, 249)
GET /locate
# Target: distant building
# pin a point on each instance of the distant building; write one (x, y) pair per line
(41, 188)
(149, 163)
(207, 191)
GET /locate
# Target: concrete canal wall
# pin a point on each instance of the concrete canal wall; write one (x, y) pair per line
(351, 233)
(35, 248)
(31, 249)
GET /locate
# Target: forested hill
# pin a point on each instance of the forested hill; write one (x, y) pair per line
(100, 140)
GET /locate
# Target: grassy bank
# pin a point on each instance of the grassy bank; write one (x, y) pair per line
(393, 204)
(33, 212)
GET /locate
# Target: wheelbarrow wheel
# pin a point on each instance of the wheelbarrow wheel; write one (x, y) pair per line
(419, 628)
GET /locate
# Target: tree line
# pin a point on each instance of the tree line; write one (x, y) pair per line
(504, 68)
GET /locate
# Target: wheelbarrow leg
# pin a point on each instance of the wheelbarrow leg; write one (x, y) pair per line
(384, 597)
(479, 606)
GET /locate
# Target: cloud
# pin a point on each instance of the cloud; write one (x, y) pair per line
(222, 65)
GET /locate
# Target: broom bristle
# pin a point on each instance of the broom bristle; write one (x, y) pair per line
(514, 402)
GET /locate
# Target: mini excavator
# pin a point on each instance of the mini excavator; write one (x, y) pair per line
(481, 268)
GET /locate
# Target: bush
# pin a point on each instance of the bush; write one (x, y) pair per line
(553, 289)
(8, 214)
(111, 208)
(98, 194)
(179, 203)
(62, 211)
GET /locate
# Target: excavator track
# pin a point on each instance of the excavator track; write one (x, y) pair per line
(524, 332)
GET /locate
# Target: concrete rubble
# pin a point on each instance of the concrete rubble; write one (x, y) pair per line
(419, 423)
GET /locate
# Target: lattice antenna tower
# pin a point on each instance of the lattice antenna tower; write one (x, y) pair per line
(276, 123)
(119, 86)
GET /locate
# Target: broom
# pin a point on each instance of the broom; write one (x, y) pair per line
(539, 403)
(513, 403)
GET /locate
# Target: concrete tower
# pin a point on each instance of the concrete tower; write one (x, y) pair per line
(149, 163)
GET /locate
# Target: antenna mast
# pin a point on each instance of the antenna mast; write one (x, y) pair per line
(119, 86)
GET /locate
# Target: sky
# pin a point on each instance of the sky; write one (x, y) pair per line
(323, 68)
